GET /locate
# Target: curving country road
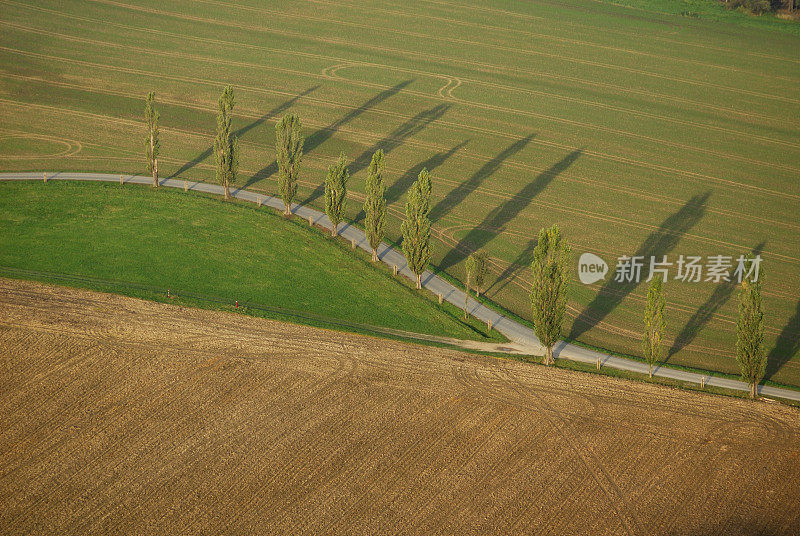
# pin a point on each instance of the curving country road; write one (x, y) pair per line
(513, 330)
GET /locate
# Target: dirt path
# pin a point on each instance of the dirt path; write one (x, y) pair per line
(127, 416)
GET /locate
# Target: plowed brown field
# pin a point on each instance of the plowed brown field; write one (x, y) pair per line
(126, 416)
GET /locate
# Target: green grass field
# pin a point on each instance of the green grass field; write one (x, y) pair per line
(203, 246)
(638, 132)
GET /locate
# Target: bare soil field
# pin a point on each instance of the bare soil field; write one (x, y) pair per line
(126, 416)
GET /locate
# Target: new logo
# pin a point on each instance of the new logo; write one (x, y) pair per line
(591, 268)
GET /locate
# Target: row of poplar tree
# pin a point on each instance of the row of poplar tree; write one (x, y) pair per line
(289, 139)
(551, 255)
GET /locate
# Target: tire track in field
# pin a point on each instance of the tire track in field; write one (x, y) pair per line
(485, 190)
(598, 154)
(167, 395)
(330, 72)
(206, 480)
(580, 124)
(484, 44)
(445, 59)
(635, 35)
(94, 333)
(235, 44)
(11, 132)
(448, 96)
(594, 153)
(617, 501)
(497, 29)
(72, 147)
(436, 147)
(638, 225)
(476, 156)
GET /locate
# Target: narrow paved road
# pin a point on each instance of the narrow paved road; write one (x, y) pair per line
(513, 330)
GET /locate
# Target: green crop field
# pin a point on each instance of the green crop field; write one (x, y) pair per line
(638, 132)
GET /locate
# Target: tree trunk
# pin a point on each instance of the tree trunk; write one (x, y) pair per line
(374, 255)
(548, 356)
(466, 297)
(288, 211)
(651, 369)
(419, 281)
(227, 192)
(155, 163)
(333, 229)
(753, 390)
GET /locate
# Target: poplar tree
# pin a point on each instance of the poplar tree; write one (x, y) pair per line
(654, 324)
(550, 269)
(416, 228)
(375, 204)
(336, 192)
(750, 335)
(469, 267)
(289, 152)
(226, 145)
(476, 265)
(152, 143)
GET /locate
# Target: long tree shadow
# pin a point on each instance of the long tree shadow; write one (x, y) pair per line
(401, 185)
(722, 293)
(399, 135)
(460, 192)
(523, 260)
(787, 345)
(390, 142)
(322, 135)
(660, 242)
(247, 128)
(494, 222)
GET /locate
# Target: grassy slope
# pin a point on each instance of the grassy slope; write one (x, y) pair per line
(683, 142)
(202, 245)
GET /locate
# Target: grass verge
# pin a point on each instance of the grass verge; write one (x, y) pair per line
(201, 246)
